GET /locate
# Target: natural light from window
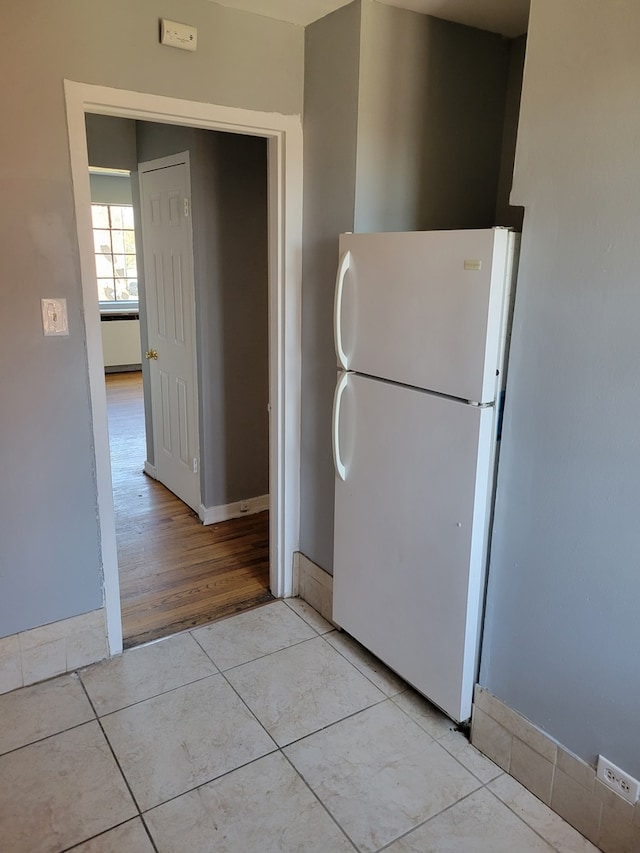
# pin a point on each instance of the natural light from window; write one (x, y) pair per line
(115, 252)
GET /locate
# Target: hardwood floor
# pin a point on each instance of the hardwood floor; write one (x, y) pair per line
(175, 573)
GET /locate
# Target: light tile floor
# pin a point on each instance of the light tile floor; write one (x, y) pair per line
(268, 731)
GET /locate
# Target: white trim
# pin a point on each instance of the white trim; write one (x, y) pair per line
(223, 512)
(150, 470)
(181, 159)
(111, 173)
(284, 134)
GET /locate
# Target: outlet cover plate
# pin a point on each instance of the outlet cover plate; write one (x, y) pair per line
(617, 780)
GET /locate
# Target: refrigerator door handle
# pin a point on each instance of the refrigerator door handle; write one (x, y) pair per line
(343, 267)
(340, 467)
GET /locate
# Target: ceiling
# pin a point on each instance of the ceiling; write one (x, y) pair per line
(508, 17)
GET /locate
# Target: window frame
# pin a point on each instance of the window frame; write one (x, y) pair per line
(115, 307)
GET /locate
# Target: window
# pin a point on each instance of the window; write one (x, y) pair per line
(115, 250)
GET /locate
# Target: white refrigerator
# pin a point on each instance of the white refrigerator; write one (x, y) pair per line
(420, 322)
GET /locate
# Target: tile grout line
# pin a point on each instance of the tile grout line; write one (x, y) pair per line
(115, 758)
(389, 696)
(434, 740)
(455, 758)
(428, 820)
(522, 820)
(269, 654)
(148, 831)
(259, 722)
(318, 798)
(332, 627)
(280, 749)
(408, 715)
(208, 782)
(483, 786)
(48, 737)
(260, 657)
(156, 695)
(335, 722)
(47, 679)
(100, 834)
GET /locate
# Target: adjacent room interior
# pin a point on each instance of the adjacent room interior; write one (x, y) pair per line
(176, 573)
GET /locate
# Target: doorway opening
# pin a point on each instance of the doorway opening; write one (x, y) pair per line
(181, 243)
(284, 147)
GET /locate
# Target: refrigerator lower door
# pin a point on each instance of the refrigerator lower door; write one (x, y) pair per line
(411, 524)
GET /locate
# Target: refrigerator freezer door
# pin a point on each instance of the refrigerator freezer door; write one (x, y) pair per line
(411, 531)
(425, 308)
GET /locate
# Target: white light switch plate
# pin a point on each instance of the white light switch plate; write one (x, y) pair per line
(54, 317)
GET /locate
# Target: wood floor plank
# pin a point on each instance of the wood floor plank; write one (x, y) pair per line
(175, 573)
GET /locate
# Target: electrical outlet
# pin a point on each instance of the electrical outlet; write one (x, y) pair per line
(613, 777)
(244, 506)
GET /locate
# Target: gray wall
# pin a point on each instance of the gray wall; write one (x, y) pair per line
(229, 221)
(562, 631)
(430, 122)
(332, 48)
(49, 554)
(403, 128)
(506, 213)
(111, 142)
(239, 369)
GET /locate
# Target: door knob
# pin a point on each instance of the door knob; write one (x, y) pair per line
(151, 353)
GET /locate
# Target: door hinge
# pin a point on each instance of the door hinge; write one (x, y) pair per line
(186, 207)
(195, 465)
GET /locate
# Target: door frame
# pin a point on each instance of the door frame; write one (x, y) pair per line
(284, 166)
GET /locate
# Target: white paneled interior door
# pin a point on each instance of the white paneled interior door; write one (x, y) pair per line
(169, 292)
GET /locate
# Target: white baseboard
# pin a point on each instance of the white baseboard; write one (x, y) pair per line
(150, 470)
(215, 514)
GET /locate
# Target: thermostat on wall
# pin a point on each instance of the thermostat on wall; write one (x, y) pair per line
(178, 35)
